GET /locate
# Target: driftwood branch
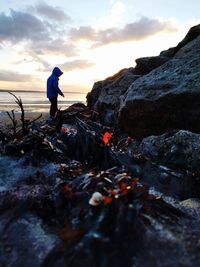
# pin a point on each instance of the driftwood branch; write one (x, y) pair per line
(25, 123)
(40, 116)
(13, 120)
(20, 104)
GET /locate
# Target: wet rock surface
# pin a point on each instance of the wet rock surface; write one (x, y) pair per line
(84, 204)
(25, 241)
(192, 206)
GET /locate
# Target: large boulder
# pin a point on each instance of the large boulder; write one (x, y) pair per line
(166, 98)
(179, 150)
(172, 163)
(146, 64)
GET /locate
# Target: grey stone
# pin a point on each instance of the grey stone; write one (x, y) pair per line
(173, 163)
(166, 98)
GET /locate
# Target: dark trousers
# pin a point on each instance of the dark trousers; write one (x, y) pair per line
(54, 106)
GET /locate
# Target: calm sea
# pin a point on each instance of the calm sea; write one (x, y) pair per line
(37, 101)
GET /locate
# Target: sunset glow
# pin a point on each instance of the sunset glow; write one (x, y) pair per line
(88, 46)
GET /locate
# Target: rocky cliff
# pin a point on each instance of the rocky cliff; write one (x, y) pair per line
(160, 94)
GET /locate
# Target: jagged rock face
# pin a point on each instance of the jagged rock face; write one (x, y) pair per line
(93, 96)
(166, 98)
(174, 70)
(193, 33)
(105, 95)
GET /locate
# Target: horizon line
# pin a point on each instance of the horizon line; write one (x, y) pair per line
(35, 91)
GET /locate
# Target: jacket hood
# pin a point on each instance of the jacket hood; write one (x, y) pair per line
(57, 72)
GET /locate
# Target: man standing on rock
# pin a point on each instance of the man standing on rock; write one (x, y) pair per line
(53, 90)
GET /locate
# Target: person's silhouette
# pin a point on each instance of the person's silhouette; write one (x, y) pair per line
(53, 90)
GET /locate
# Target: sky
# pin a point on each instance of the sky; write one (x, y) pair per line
(88, 40)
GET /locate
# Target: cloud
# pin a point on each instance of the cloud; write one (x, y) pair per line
(39, 50)
(84, 33)
(139, 30)
(38, 37)
(118, 8)
(76, 64)
(53, 47)
(11, 76)
(52, 13)
(19, 26)
(114, 18)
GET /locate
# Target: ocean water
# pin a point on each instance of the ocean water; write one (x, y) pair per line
(37, 101)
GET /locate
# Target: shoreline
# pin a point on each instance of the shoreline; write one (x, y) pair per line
(29, 115)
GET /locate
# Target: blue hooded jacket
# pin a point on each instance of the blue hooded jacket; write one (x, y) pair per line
(52, 83)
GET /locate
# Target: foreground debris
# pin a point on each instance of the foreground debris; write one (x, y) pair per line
(77, 197)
